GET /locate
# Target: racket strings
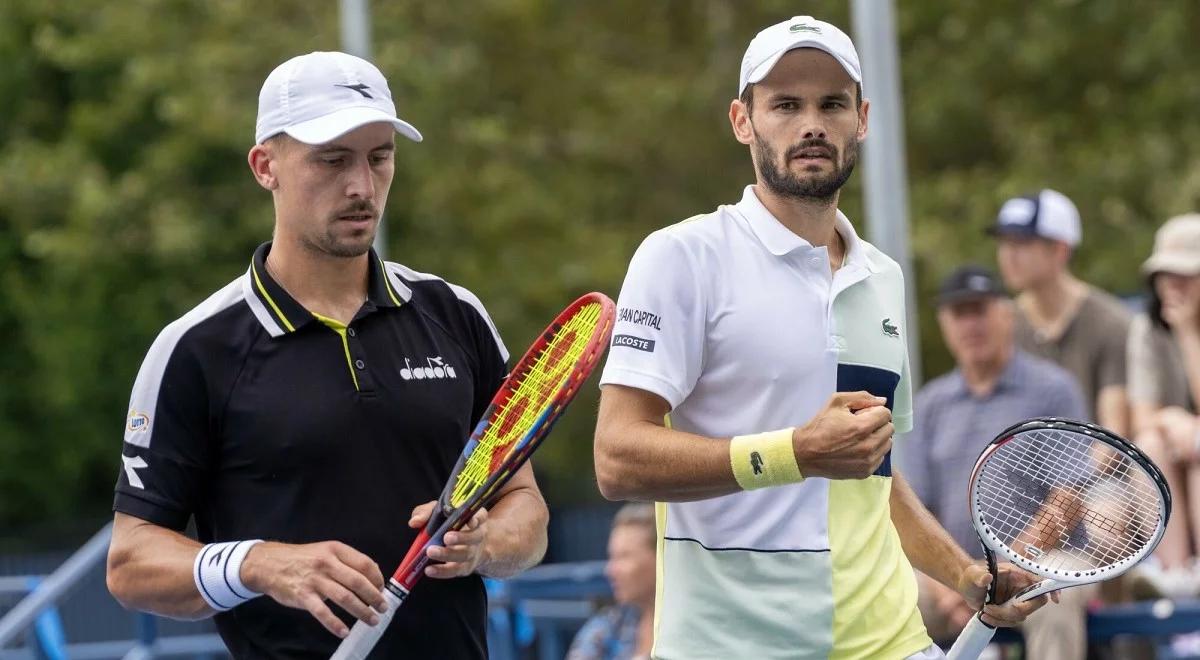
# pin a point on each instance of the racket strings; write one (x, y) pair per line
(533, 392)
(1066, 501)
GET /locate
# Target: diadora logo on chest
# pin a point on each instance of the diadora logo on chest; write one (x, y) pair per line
(434, 368)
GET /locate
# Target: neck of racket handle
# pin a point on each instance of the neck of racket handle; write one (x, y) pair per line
(972, 641)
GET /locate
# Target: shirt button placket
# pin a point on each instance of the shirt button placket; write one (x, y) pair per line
(358, 354)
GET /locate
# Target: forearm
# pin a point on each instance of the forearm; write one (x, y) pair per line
(926, 544)
(150, 569)
(640, 460)
(516, 537)
(1112, 410)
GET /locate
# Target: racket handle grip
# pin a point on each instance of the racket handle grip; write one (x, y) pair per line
(363, 637)
(973, 640)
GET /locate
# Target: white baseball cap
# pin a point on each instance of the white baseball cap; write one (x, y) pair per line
(1176, 247)
(319, 96)
(1046, 214)
(768, 46)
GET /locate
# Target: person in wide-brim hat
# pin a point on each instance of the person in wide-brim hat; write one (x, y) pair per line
(1164, 387)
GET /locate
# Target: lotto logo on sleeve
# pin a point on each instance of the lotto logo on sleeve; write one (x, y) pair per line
(629, 341)
(138, 421)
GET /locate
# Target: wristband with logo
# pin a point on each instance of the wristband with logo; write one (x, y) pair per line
(217, 571)
(764, 459)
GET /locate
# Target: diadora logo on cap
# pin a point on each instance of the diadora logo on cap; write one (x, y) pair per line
(890, 328)
(360, 88)
(138, 421)
(435, 368)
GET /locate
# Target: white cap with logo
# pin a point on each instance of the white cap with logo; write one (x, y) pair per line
(772, 43)
(320, 96)
(1047, 214)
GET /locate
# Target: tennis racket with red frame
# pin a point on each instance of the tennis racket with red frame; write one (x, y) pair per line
(519, 417)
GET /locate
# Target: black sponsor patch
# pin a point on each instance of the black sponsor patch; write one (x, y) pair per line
(634, 342)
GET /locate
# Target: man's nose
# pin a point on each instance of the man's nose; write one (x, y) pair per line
(360, 184)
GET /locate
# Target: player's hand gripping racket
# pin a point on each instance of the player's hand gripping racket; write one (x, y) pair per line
(519, 417)
(1070, 502)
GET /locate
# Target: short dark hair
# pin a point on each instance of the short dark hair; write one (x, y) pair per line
(747, 97)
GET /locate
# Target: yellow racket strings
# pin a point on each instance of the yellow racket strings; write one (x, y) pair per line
(532, 395)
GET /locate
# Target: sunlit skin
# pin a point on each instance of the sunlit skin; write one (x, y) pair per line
(630, 568)
(631, 572)
(978, 330)
(803, 126)
(1049, 297)
(1180, 296)
(328, 202)
(329, 197)
(1027, 262)
(803, 129)
(979, 334)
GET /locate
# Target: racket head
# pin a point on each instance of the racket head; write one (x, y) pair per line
(531, 398)
(1069, 501)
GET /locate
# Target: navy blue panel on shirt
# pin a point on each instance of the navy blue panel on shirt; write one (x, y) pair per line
(879, 382)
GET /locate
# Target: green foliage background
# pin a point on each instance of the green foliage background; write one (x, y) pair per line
(558, 134)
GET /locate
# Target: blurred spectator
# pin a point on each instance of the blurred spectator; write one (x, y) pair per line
(1060, 318)
(624, 631)
(994, 386)
(1164, 386)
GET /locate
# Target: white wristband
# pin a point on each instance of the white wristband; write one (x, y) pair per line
(218, 574)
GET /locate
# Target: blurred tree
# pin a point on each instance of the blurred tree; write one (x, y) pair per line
(558, 135)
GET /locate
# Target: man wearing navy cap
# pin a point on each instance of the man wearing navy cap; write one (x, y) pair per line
(1059, 317)
(993, 385)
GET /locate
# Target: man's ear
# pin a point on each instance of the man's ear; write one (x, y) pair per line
(739, 119)
(863, 113)
(261, 158)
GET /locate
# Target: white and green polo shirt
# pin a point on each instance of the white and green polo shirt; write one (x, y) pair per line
(740, 326)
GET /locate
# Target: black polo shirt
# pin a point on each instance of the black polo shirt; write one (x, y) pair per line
(261, 421)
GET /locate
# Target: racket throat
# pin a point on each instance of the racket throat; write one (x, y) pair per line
(397, 590)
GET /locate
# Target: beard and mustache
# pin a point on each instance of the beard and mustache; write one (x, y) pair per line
(822, 188)
(331, 242)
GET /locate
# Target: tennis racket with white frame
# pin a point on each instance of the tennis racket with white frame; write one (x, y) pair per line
(1067, 501)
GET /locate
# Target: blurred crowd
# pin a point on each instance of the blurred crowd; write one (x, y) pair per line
(1062, 347)
(1034, 342)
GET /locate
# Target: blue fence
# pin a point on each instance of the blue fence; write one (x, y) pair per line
(531, 617)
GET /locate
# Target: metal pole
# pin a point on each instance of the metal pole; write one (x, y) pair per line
(885, 174)
(356, 40)
(57, 585)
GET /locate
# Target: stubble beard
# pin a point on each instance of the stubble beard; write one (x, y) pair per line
(334, 242)
(818, 188)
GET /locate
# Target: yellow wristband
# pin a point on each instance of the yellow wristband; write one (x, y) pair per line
(764, 459)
